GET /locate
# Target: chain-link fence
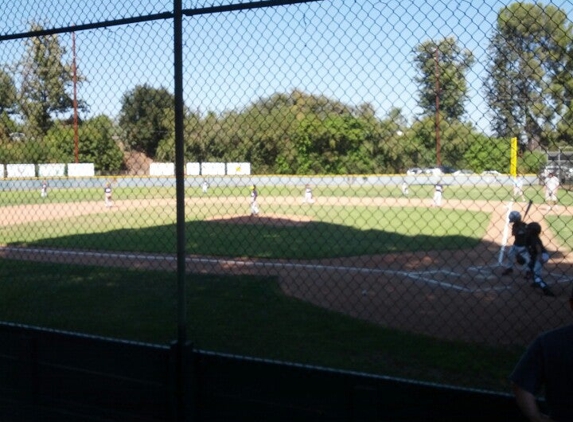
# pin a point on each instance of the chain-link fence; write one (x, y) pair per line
(348, 170)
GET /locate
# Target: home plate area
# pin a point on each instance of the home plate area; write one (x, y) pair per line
(471, 280)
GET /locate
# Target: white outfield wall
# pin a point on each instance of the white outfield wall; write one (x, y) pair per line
(213, 169)
(193, 169)
(81, 170)
(162, 169)
(20, 170)
(238, 169)
(266, 180)
(51, 170)
(218, 169)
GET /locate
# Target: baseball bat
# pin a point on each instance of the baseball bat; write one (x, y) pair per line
(527, 209)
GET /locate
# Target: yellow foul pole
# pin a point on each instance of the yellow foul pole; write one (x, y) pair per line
(513, 158)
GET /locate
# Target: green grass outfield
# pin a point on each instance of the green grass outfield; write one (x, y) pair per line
(478, 192)
(244, 315)
(335, 231)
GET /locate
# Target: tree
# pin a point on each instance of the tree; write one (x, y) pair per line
(7, 127)
(262, 134)
(96, 144)
(387, 140)
(8, 93)
(45, 81)
(485, 153)
(443, 66)
(456, 138)
(8, 105)
(525, 86)
(32, 151)
(143, 118)
(565, 125)
(333, 145)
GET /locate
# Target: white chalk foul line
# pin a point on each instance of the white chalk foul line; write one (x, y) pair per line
(418, 276)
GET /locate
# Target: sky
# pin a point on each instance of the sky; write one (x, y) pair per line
(357, 52)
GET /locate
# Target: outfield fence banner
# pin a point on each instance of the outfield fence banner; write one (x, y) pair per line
(162, 169)
(81, 169)
(20, 170)
(235, 169)
(193, 169)
(51, 170)
(325, 183)
(213, 169)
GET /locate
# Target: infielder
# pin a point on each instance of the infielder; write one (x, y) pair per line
(518, 188)
(551, 187)
(518, 251)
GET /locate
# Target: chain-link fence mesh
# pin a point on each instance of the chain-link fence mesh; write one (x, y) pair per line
(350, 169)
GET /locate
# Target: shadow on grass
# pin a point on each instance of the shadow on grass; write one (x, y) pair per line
(259, 239)
(243, 315)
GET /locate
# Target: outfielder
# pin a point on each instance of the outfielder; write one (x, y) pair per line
(254, 206)
(518, 251)
(107, 195)
(44, 191)
(438, 189)
(308, 198)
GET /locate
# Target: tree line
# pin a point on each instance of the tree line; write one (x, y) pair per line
(528, 88)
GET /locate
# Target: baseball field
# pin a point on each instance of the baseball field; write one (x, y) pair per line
(362, 279)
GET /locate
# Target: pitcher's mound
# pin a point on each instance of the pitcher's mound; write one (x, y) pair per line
(275, 220)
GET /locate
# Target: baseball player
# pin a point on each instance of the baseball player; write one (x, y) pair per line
(204, 187)
(107, 195)
(438, 189)
(551, 187)
(518, 251)
(405, 189)
(254, 196)
(518, 188)
(44, 191)
(308, 198)
(539, 257)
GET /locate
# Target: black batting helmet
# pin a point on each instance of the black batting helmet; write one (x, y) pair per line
(514, 216)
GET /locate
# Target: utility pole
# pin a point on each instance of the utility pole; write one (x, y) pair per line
(437, 75)
(75, 79)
